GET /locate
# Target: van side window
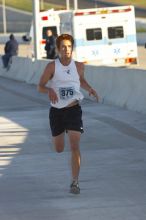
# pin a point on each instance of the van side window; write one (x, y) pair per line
(115, 32)
(44, 31)
(94, 34)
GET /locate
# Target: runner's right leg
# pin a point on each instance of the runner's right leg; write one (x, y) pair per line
(59, 142)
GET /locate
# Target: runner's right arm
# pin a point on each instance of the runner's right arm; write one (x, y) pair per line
(46, 76)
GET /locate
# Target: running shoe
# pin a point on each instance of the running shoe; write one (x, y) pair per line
(74, 188)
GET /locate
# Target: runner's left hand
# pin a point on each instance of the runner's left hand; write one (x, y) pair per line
(94, 93)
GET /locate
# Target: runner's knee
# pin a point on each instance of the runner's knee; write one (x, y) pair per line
(59, 148)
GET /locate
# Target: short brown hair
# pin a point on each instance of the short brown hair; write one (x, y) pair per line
(64, 37)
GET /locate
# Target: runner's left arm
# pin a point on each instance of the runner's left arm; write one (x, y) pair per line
(83, 82)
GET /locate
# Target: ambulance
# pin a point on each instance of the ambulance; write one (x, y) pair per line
(102, 35)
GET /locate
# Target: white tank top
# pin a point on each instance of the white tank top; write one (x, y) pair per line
(66, 84)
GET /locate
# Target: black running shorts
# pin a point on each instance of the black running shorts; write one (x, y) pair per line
(64, 119)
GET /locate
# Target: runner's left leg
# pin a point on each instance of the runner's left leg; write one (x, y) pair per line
(74, 139)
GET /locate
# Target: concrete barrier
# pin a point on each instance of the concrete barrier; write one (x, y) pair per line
(116, 86)
(38, 68)
(119, 86)
(23, 69)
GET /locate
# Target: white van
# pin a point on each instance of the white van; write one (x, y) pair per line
(102, 35)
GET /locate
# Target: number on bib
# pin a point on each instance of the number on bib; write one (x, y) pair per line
(66, 93)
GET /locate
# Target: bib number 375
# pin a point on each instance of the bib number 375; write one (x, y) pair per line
(66, 93)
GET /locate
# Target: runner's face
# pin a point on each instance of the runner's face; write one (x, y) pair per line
(65, 49)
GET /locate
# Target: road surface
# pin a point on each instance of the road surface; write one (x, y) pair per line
(19, 21)
(34, 180)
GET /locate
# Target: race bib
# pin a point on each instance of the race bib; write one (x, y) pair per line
(66, 93)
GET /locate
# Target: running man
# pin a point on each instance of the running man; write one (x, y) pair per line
(66, 76)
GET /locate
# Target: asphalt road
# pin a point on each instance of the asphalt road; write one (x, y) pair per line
(19, 21)
(34, 180)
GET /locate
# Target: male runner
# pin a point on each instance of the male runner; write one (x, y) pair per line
(66, 76)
